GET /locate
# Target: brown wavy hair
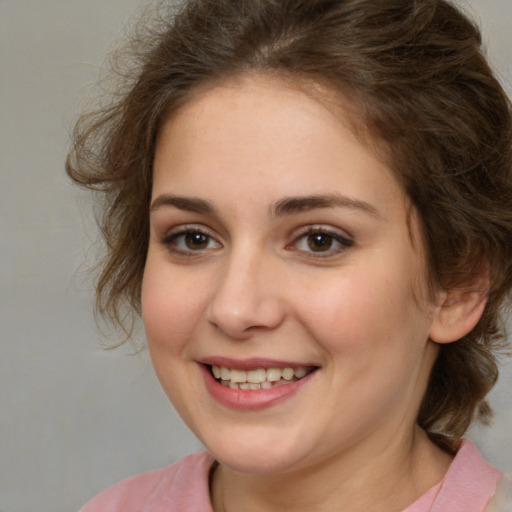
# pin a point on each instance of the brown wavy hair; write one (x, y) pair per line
(422, 90)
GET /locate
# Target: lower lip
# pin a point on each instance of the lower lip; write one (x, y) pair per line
(251, 399)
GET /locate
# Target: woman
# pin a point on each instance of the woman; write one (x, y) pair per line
(310, 205)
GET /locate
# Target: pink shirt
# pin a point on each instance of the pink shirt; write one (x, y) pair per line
(468, 486)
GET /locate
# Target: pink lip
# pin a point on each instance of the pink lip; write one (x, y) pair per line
(251, 399)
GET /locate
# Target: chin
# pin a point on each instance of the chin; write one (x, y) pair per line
(252, 462)
(260, 451)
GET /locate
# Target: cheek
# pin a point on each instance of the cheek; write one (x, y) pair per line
(170, 312)
(365, 315)
(170, 308)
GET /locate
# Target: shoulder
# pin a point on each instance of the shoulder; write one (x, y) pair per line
(502, 499)
(183, 485)
(469, 483)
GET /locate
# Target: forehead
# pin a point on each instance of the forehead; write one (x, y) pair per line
(257, 125)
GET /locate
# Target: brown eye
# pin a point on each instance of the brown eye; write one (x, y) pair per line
(319, 242)
(189, 241)
(196, 241)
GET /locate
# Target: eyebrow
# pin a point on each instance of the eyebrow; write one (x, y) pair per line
(189, 204)
(291, 205)
(281, 208)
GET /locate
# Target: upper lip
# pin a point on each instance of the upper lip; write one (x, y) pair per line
(252, 363)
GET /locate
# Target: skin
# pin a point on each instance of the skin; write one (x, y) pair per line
(356, 309)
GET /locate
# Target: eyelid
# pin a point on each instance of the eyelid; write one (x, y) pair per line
(323, 228)
(343, 238)
(183, 229)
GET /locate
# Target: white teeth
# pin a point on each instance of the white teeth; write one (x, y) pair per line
(300, 372)
(274, 374)
(288, 373)
(238, 376)
(225, 374)
(258, 378)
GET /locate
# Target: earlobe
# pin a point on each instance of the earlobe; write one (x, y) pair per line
(458, 313)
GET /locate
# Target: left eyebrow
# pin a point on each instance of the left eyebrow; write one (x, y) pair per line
(291, 205)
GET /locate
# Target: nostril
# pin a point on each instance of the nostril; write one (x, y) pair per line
(245, 303)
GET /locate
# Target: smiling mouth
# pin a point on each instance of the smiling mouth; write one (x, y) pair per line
(259, 378)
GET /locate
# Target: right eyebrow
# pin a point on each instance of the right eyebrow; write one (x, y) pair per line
(189, 204)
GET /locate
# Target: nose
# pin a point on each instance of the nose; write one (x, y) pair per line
(247, 297)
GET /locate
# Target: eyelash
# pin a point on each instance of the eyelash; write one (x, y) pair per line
(172, 239)
(333, 236)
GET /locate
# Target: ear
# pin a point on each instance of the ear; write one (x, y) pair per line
(459, 311)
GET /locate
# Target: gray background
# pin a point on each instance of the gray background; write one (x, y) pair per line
(76, 418)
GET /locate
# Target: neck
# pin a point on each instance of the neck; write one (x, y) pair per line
(370, 480)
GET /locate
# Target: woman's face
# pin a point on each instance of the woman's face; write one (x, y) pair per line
(280, 257)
